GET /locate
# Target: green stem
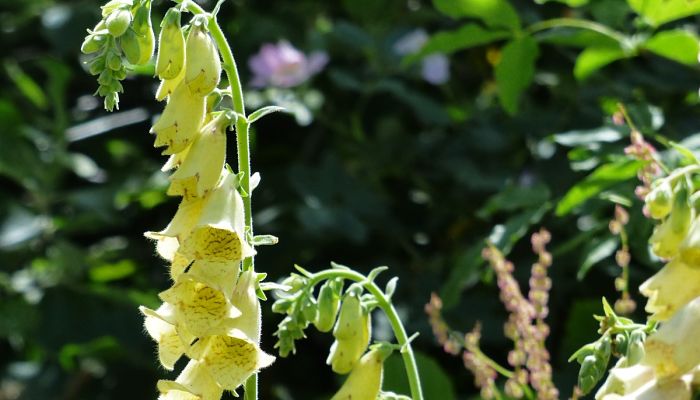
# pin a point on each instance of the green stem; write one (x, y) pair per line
(242, 143)
(577, 23)
(385, 304)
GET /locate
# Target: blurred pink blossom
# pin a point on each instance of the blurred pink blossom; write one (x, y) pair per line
(282, 65)
(435, 68)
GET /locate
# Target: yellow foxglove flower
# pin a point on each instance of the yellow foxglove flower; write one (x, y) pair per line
(171, 344)
(170, 60)
(199, 309)
(203, 69)
(670, 289)
(674, 350)
(185, 219)
(660, 200)
(179, 124)
(365, 380)
(231, 358)
(201, 168)
(677, 389)
(168, 86)
(352, 334)
(219, 234)
(668, 236)
(193, 383)
(175, 160)
(219, 275)
(623, 380)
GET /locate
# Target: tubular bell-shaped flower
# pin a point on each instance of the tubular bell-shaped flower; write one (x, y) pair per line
(670, 289)
(201, 167)
(193, 383)
(179, 125)
(203, 68)
(365, 380)
(352, 334)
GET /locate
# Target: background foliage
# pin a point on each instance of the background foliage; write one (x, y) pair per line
(393, 170)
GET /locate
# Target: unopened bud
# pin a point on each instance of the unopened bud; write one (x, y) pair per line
(203, 69)
(171, 46)
(328, 306)
(118, 22)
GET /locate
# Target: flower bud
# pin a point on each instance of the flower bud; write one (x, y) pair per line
(352, 333)
(130, 46)
(93, 43)
(203, 69)
(667, 237)
(660, 200)
(114, 62)
(328, 305)
(365, 380)
(180, 122)
(635, 347)
(200, 170)
(118, 21)
(171, 46)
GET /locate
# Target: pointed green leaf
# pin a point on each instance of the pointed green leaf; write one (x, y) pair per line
(657, 12)
(446, 42)
(592, 59)
(494, 13)
(602, 178)
(678, 45)
(257, 114)
(515, 71)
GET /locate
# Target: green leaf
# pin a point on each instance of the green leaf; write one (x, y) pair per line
(602, 178)
(257, 114)
(592, 59)
(598, 250)
(515, 71)
(435, 381)
(678, 45)
(506, 235)
(514, 197)
(29, 88)
(494, 13)
(112, 272)
(658, 12)
(446, 42)
(570, 3)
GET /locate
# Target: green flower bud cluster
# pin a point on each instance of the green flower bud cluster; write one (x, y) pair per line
(123, 38)
(348, 314)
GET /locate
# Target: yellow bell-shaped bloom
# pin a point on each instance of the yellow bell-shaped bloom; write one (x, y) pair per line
(179, 228)
(232, 357)
(193, 383)
(201, 168)
(352, 334)
(203, 69)
(365, 380)
(668, 236)
(180, 122)
(219, 275)
(168, 86)
(674, 350)
(622, 380)
(170, 60)
(677, 389)
(171, 343)
(199, 309)
(219, 234)
(670, 289)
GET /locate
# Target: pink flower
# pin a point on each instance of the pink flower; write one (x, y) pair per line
(282, 65)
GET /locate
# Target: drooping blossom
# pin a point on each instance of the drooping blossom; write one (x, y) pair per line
(283, 65)
(435, 68)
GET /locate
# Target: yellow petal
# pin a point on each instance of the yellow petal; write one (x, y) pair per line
(670, 289)
(203, 69)
(218, 275)
(246, 300)
(674, 350)
(200, 309)
(180, 122)
(232, 359)
(186, 217)
(201, 169)
(194, 382)
(365, 380)
(175, 160)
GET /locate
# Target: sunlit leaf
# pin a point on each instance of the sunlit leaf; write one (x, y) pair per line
(596, 251)
(515, 71)
(602, 178)
(657, 12)
(592, 59)
(494, 13)
(469, 35)
(678, 45)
